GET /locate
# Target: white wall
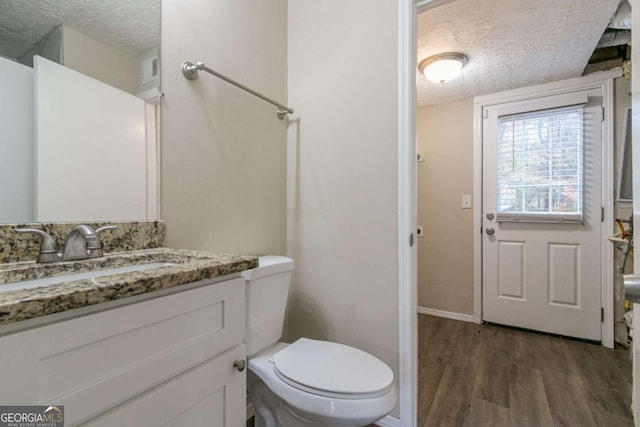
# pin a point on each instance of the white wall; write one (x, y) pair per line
(223, 150)
(343, 173)
(100, 61)
(16, 142)
(445, 253)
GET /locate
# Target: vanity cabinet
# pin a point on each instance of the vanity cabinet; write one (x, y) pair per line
(163, 361)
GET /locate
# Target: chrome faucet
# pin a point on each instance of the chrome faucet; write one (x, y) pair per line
(83, 242)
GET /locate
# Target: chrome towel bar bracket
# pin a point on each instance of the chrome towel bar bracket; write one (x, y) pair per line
(190, 71)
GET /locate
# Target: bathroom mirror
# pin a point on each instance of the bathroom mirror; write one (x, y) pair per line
(115, 43)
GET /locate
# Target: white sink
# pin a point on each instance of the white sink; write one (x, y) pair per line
(46, 281)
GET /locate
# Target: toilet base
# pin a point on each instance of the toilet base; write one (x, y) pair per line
(279, 404)
(272, 411)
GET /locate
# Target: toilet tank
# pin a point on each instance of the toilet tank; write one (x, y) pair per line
(267, 289)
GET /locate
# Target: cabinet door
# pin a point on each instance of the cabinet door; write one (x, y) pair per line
(97, 362)
(209, 395)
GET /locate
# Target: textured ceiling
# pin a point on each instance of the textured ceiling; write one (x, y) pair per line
(509, 43)
(132, 26)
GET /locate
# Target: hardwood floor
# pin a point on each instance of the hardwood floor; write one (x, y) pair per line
(481, 375)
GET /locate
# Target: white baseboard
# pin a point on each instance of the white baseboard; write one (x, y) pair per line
(388, 421)
(447, 314)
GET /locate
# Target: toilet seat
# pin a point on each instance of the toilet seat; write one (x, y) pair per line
(327, 410)
(332, 370)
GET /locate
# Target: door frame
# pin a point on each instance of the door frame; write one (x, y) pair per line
(407, 216)
(408, 211)
(603, 81)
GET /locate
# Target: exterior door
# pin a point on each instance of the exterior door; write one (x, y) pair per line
(541, 243)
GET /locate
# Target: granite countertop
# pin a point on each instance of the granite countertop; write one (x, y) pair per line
(188, 267)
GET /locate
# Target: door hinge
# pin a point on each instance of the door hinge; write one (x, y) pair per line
(602, 314)
(485, 113)
(602, 118)
(411, 240)
(602, 214)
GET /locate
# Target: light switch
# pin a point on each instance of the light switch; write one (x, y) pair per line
(466, 201)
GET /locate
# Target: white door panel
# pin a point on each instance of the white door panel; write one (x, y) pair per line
(544, 276)
(511, 266)
(565, 274)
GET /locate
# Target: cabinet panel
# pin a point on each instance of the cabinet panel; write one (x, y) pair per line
(95, 362)
(125, 350)
(207, 395)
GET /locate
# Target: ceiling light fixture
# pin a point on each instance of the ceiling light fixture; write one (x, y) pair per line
(443, 67)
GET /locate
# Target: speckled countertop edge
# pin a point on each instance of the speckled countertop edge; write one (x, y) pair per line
(189, 267)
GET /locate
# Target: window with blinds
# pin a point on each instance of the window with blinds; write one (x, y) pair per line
(540, 166)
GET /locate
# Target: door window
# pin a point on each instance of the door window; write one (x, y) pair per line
(540, 166)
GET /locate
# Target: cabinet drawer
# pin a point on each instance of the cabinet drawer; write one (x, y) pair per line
(211, 394)
(93, 363)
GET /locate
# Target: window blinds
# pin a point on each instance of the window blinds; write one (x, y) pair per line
(540, 166)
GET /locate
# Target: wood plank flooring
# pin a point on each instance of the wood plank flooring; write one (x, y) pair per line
(481, 375)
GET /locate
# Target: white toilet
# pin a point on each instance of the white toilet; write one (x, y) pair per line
(309, 382)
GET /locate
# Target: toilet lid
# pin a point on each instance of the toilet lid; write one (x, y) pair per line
(329, 368)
